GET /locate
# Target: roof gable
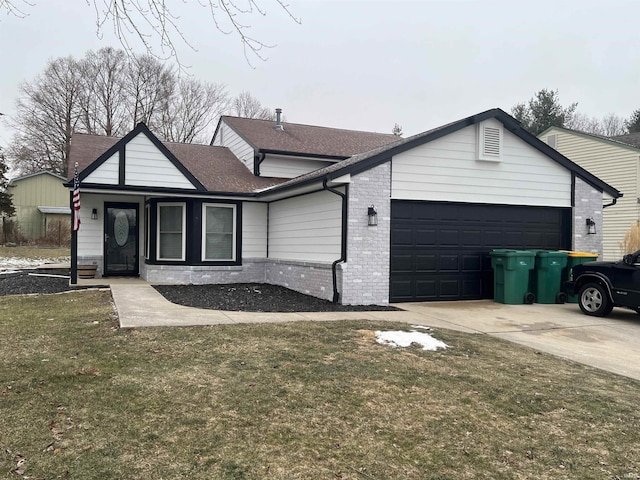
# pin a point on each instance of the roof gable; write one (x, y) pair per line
(141, 160)
(304, 140)
(36, 174)
(213, 169)
(364, 161)
(622, 141)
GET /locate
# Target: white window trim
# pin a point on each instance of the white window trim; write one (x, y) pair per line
(184, 233)
(204, 232)
(147, 231)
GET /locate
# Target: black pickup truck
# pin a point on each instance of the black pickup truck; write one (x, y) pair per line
(600, 286)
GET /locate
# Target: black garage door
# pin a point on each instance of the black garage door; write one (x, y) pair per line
(440, 250)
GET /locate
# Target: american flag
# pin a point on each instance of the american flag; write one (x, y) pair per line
(76, 199)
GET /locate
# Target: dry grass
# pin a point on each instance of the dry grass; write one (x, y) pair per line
(34, 253)
(631, 242)
(84, 400)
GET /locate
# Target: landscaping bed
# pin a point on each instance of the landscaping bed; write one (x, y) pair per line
(254, 297)
(20, 282)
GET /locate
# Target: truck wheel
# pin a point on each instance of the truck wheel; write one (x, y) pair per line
(594, 301)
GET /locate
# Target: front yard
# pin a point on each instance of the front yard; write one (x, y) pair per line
(81, 399)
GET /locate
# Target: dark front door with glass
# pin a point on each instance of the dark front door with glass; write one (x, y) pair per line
(121, 239)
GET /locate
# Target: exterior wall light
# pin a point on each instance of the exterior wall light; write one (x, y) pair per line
(373, 216)
(94, 214)
(591, 226)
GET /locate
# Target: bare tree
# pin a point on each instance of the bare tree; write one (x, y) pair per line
(149, 85)
(608, 126)
(191, 110)
(47, 115)
(108, 93)
(146, 21)
(104, 97)
(247, 106)
(613, 125)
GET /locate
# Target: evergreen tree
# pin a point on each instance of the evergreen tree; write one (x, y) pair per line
(6, 205)
(633, 123)
(543, 111)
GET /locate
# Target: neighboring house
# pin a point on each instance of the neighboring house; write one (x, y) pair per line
(410, 220)
(42, 204)
(615, 160)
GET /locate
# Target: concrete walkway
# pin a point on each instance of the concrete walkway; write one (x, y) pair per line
(611, 343)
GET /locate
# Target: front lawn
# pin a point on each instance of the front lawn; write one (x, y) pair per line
(81, 399)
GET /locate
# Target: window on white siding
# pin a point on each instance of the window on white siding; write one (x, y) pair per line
(218, 232)
(489, 142)
(171, 231)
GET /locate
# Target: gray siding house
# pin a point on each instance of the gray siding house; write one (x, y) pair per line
(353, 217)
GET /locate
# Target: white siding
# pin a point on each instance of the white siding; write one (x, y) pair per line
(227, 137)
(107, 173)
(146, 166)
(617, 165)
(446, 169)
(306, 228)
(254, 230)
(288, 167)
(91, 233)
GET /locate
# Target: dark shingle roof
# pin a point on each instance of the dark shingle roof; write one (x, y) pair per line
(216, 168)
(306, 139)
(366, 160)
(632, 139)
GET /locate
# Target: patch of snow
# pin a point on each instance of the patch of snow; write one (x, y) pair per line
(421, 327)
(405, 339)
(9, 263)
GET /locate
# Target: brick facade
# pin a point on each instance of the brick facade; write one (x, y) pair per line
(365, 275)
(588, 204)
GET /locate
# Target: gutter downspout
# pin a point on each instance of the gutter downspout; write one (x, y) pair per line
(343, 246)
(613, 202)
(258, 159)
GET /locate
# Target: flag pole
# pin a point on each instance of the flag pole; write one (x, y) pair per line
(74, 200)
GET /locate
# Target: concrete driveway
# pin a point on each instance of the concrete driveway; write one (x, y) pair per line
(611, 343)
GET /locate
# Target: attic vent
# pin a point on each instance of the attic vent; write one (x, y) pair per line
(551, 140)
(489, 142)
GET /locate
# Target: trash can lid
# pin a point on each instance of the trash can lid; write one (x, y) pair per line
(583, 254)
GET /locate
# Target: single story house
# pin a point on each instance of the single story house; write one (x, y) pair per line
(41, 201)
(352, 217)
(615, 161)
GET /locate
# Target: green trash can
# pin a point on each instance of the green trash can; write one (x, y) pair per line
(511, 276)
(549, 277)
(573, 259)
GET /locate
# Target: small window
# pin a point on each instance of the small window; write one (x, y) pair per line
(171, 231)
(218, 232)
(489, 142)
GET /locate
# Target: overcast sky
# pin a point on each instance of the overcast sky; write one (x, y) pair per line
(366, 65)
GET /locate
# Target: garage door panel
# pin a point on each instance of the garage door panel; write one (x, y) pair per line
(472, 263)
(402, 263)
(403, 236)
(448, 262)
(449, 257)
(426, 237)
(426, 263)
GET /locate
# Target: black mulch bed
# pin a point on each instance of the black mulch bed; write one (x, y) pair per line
(254, 298)
(21, 282)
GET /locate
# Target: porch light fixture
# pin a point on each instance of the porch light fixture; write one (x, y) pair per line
(94, 214)
(591, 226)
(373, 216)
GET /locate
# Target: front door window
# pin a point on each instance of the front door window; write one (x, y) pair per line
(121, 239)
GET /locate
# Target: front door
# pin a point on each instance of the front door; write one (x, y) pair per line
(121, 239)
